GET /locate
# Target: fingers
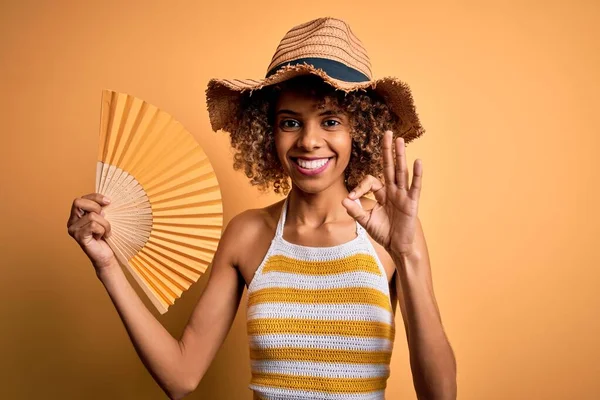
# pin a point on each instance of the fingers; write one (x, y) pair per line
(89, 203)
(369, 184)
(87, 218)
(90, 223)
(401, 168)
(395, 170)
(356, 211)
(92, 228)
(415, 187)
(388, 158)
(97, 197)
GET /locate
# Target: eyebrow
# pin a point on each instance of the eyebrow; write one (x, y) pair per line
(285, 111)
(326, 112)
(330, 112)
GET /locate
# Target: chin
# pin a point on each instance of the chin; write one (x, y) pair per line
(312, 187)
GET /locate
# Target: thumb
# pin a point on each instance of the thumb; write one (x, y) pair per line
(356, 211)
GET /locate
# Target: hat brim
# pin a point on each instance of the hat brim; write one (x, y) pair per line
(223, 97)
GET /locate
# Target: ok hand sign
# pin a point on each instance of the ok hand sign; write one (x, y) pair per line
(393, 220)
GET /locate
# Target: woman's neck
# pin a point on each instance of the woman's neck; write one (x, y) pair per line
(316, 209)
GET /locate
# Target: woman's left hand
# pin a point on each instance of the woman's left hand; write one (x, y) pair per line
(393, 220)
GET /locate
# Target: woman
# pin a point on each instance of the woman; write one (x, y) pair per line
(323, 267)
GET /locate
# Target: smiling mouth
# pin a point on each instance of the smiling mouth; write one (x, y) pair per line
(311, 167)
(313, 164)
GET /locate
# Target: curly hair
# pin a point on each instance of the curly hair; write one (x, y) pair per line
(254, 142)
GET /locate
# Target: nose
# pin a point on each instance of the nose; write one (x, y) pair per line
(309, 137)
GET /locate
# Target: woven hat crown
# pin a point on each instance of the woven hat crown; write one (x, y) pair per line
(323, 38)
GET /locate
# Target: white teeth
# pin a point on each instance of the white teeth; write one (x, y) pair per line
(312, 164)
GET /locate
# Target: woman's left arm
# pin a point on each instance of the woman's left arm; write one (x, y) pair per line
(432, 360)
(393, 223)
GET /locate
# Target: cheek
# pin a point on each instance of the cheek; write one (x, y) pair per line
(281, 147)
(344, 145)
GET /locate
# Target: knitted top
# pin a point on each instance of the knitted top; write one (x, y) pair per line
(320, 321)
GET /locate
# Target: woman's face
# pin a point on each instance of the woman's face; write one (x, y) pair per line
(313, 144)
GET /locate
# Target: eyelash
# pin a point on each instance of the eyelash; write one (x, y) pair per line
(282, 124)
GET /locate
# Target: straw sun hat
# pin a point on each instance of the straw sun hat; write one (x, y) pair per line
(325, 47)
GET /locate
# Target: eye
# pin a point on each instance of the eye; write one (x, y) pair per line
(289, 124)
(330, 123)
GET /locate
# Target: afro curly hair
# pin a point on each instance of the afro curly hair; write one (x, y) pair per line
(253, 140)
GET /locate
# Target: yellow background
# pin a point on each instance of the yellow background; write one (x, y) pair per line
(508, 93)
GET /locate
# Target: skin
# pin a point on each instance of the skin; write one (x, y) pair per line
(321, 213)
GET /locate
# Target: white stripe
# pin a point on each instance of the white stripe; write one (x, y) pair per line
(285, 394)
(320, 369)
(317, 282)
(319, 342)
(297, 252)
(346, 312)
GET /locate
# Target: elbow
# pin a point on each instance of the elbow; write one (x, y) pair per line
(182, 391)
(445, 393)
(442, 387)
(177, 396)
(447, 389)
(179, 393)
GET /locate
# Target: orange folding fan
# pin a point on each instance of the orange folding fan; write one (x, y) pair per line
(166, 212)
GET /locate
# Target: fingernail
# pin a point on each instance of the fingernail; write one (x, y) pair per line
(102, 213)
(352, 194)
(106, 200)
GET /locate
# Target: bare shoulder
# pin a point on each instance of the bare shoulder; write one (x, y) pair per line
(252, 222)
(248, 235)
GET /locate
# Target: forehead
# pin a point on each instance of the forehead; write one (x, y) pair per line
(303, 100)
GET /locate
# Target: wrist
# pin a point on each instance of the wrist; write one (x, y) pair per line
(108, 271)
(405, 257)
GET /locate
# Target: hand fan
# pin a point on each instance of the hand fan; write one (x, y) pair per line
(166, 212)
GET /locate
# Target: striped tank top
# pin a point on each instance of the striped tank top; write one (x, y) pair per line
(319, 321)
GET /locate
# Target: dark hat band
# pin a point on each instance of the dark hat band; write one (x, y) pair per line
(334, 69)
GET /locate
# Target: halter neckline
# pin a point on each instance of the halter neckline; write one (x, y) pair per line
(281, 224)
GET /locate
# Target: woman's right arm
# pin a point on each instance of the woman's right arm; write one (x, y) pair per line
(176, 365)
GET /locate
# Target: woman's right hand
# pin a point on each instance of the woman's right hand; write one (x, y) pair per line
(88, 227)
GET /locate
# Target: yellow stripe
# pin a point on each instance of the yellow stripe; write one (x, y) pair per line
(321, 384)
(354, 263)
(321, 355)
(268, 326)
(361, 295)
